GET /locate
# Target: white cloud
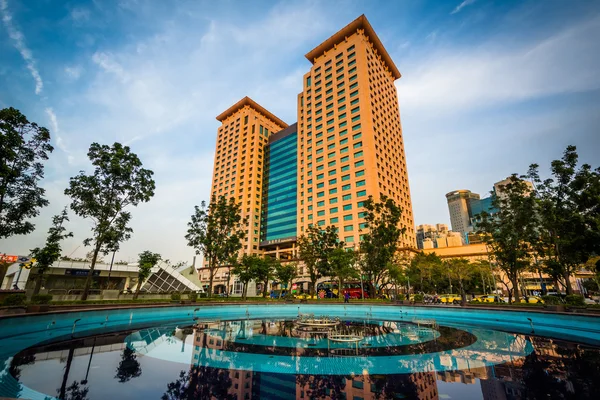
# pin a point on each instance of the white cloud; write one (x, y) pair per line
(55, 132)
(477, 77)
(462, 5)
(73, 72)
(19, 42)
(80, 15)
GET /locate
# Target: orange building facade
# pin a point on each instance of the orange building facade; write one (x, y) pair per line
(349, 145)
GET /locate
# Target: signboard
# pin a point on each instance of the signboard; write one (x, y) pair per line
(80, 272)
(8, 258)
(277, 241)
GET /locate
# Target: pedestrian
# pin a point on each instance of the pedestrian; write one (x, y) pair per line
(346, 297)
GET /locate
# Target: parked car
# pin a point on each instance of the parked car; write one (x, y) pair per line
(532, 300)
(450, 299)
(487, 299)
(305, 296)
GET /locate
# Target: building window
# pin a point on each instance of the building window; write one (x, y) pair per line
(345, 177)
(361, 193)
(333, 220)
(347, 207)
(359, 173)
(333, 200)
(333, 210)
(346, 187)
(360, 183)
(346, 197)
(348, 217)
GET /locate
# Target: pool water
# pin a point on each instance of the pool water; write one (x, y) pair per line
(269, 352)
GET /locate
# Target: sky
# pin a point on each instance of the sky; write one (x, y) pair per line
(487, 88)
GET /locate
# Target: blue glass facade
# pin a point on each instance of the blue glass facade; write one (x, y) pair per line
(279, 217)
(480, 205)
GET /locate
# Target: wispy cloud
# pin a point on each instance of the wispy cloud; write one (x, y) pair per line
(471, 78)
(19, 42)
(56, 133)
(79, 15)
(73, 72)
(462, 5)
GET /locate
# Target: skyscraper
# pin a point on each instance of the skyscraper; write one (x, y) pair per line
(350, 143)
(459, 206)
(346, 146)
(240, 161)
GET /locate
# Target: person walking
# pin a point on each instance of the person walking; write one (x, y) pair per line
(346, 297)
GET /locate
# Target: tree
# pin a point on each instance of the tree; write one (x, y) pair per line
(286, 273)
(118, 181)
(216, 231)
(569, 214)
(342, 266)
(426, 273)
(246, 270)
(23, 147)
(265, 270)
(50, 253)
(380, 242)
(129, 366)
(460, 270)
(512, 230)
(146, 261)
(314, 250)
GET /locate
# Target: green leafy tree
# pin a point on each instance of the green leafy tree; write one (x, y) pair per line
(569, 214)
(129, 367)
(315, 248)
(426, 273)
(286, 273)
(397, 271)
(265, 271)
(50, 253)
(380, 242)
(462, 271)
(118, 182)
(146, 261)
(342, 265)
(246, 270)
(512, 230)
(216, 231)
(23, 147)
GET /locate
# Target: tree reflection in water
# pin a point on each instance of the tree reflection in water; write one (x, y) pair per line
(129, 367)
(200, 383)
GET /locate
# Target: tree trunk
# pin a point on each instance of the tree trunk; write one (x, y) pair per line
(567, 277)
(463, 295)
(313, 287)
(228, 278)
(38, 284)
(515, 284)
(341, 289)
(137, 288)
(210, 283)
(3, 268)
(244, 289)
(266, 284)
(88, 280)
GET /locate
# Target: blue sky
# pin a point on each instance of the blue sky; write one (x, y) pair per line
(488, 87)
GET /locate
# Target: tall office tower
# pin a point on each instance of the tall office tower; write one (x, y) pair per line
(350, 143)
(240, 162)
(280, 195)
(460, 207)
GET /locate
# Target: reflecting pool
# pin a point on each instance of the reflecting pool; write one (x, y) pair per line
(193, 355)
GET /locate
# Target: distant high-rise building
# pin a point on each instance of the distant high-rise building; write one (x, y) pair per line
(459, 205)
(437, 236)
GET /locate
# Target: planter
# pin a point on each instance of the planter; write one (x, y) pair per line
(557, 307)
(36, 308)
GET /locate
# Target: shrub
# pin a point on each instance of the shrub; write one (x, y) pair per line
(551, 300)
(193, 296)
(575, 300)
(17, 299)
(418, 298)
(41, 299)
(175, 296)
(401, 297)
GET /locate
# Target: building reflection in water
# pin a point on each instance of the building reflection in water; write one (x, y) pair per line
(555, 369)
